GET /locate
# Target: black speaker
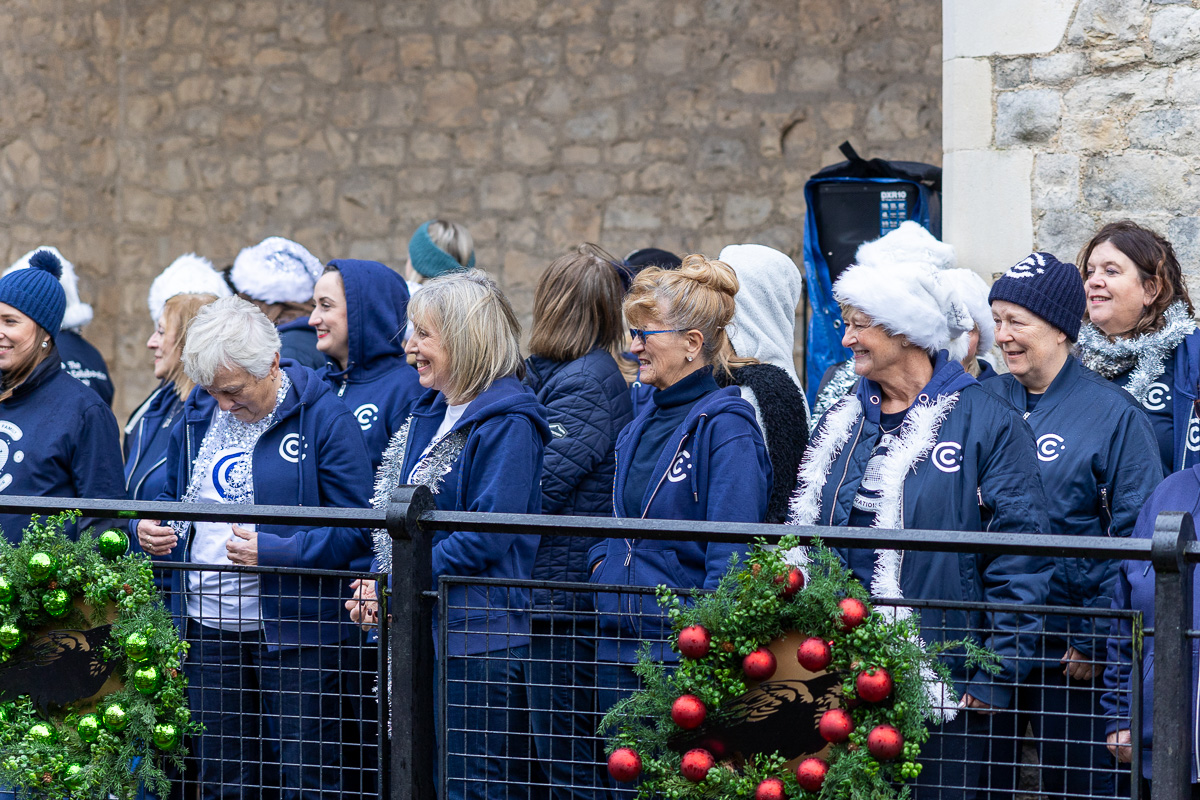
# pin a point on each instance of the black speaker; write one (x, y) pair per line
(849, 213)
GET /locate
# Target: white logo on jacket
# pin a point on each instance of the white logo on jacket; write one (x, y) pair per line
(289, 448)
(948, 456)
(1193, 436)
(14, 433)
(680, 467)
(1050, 446)
(1157, 397)
(366, 414)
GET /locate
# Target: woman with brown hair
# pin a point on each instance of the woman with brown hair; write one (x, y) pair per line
(1140, 333)
(577, 326)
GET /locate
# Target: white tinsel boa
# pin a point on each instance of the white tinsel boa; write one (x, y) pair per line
(1145, 354)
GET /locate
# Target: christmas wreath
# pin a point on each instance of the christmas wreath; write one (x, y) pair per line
(92, 699)
(789, 685)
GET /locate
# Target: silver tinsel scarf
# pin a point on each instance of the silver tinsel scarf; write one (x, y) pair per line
(840, 384)
(1145, 354)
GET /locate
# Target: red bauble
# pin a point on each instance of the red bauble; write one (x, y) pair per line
(688, 712)
(624, 764)
(873, 685)
(694, 641)
(770, 789)
(811, 774)
(814, 654)
(696, 764)
(836, 725)
(759, 665)
(854, 611)
(792, 582)
(885, 742)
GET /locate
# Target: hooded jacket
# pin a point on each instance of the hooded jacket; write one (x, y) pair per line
(715, 467)
(1185, 441)
(1134, 589)
(980, 475)
(57, 439)
(587, 404)
(147, 435)
(499, 469)
(378, 385)
(333, 470)
(770, 287)
(1098, 461)
(298, 342)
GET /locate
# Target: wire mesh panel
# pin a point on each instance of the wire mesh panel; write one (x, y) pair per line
(520, 721)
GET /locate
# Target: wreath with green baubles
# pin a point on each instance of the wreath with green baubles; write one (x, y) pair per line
(92, 697)
(789, 685)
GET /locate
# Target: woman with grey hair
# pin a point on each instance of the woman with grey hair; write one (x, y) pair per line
(476, 438)
(264, 648)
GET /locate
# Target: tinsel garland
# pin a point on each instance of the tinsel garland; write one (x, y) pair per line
(838, 386)
(1145, 354)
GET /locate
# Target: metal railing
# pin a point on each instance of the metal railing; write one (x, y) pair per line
(411, 519)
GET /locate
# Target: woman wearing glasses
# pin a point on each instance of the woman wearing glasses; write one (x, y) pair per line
(694, 453)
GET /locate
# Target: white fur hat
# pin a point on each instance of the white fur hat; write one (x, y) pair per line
(188, 274)
(899, 280)
(276, 270)
(78, 313)
(974, 292)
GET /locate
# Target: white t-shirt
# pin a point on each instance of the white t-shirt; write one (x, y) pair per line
(453, 415)
(225, 600)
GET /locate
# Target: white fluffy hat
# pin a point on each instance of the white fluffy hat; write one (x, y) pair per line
(276, 270)
(899, 280)
(974, 292)
(764, 318)
(188, 274)
(78, 313)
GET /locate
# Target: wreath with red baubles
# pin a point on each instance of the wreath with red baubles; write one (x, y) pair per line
(789, 685)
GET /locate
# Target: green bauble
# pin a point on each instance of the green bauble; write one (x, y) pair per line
(115, 718)
(166, 736)
(88, 727)
(113, 543)
(145, 680)
(6, 590)
(41, 733)
(10, 636)
(137, 647)
(41, 566)
(73, 776)
(56, 602)
(182, 715)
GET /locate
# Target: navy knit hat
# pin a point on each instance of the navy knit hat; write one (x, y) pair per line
(36, 292)
(1047, 287)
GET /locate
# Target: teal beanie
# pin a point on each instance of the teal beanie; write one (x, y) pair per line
(431, 260)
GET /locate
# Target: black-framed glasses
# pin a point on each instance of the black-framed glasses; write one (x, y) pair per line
(638, 333)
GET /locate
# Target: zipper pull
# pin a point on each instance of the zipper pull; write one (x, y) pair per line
(342, 389)
(628, 552)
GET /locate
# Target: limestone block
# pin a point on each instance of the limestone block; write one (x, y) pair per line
(351, 19)
(633, 212)
(1124, 91)
(691, 210)
(475, 147)
(421, 180)
(146, 209)
(1059, 67)
(973, 28)
(721, 153)
(502, 191)
(668, 55)
(1184, 87)
(492, 53)
(1027, 116)
(22, 166)
(512, 11)
(1106, 22)
(756, 76)
(380, 149)
(303, 21)
(571, 223)
(373, 59)
(599, 124)
(987, 212)
(449, 100)
(626, 153)
(364, 205)
(1139, 181)
(417, 51)
(967, 104)
(42, 207)
(595, 185)
(527, 142)
(1056, 181)
(1091, 134)
(578, 154)
(1175, 34)
(814, 74)
(746, 211)
(1064, 231)
(1172, 129)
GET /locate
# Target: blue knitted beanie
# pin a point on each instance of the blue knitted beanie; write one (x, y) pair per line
(431, 260)
(36, 292)
(1047, 287)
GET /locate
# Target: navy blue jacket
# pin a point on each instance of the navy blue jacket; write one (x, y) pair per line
(146, 438)
(982, 475)
(499, 469)
(298, 342)
(334, 471)
(1183, 396)
(1135, 590)
(587, 404)
(378, 385)
(715, 467)
(57, 439)
(1099, 462)
(85, 363)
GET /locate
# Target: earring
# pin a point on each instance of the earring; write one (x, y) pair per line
(45, 345)
(691, 358)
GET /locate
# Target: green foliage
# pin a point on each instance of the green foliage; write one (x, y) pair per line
(747, 611)
(65, 765)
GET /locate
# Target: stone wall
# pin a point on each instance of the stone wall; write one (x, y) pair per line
(134, 131)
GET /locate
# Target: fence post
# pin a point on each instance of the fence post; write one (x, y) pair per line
(411, 646)
(1172, 753)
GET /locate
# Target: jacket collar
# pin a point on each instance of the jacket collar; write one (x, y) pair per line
(948, 377)
(1058, 390)
(51, 365)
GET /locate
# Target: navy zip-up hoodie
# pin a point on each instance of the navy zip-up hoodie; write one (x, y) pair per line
(587, 404)
(146, 438)
(378, 385)
(1134, 589)
(298, 343)
(57, 439)
(981, 475)
(499, 470)
(714, 467)
(1099, 462)
(334, 471)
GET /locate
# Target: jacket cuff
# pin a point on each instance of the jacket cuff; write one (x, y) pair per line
(983, 687)
(276, 551)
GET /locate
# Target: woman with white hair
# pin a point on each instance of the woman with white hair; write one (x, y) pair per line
(263, 647)
(920, 444)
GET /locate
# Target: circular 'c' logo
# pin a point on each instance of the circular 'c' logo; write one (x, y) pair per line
(289, 448)
(366, 414)
(1157, 397)
(1193, 436)
(1050, 446)
(948, 456)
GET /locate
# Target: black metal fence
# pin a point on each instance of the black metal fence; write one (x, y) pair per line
(541, 697)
